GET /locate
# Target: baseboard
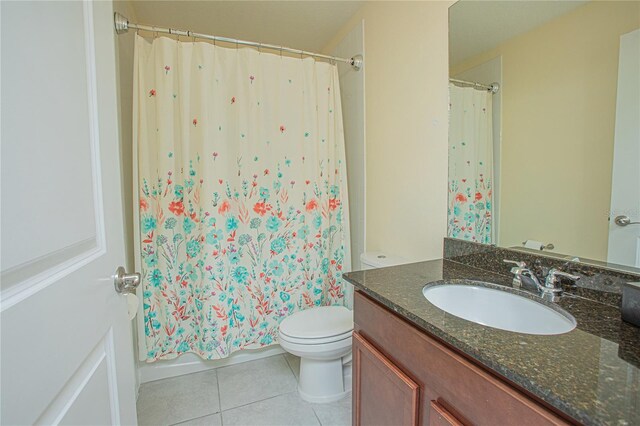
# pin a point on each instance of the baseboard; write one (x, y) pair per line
(191, 363)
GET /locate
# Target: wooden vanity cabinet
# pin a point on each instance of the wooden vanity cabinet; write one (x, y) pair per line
(403, 376)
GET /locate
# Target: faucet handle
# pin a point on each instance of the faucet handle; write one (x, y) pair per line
(517, 270)
(552, 277)
(520, 264)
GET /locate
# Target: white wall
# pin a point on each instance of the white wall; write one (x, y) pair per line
(406, 98)
(124, 52)
(352, 93)
(124, 60)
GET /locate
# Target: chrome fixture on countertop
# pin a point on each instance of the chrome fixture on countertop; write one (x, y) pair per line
(522, 275)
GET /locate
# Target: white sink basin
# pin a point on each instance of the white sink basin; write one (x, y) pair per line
(499, 309)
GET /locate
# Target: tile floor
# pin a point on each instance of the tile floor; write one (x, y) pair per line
(261, 392)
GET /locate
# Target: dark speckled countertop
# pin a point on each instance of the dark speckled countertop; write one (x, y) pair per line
(591, 373)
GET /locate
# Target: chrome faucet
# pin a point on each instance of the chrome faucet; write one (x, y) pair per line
(519, 271)
(551, 285)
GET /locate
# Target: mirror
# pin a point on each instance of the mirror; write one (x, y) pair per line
(549, 156)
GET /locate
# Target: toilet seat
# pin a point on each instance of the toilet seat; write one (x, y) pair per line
(325, 324)
(316, 341)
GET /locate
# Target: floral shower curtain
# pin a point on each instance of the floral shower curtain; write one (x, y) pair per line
(470, 165)
(242, 188)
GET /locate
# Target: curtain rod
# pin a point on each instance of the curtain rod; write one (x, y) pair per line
(493, 87)
(123, 25)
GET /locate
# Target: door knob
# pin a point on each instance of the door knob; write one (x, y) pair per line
(125, 283)
(624, 221)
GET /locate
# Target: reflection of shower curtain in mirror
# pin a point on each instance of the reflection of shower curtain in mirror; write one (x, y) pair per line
(470, 165)
(242, 189)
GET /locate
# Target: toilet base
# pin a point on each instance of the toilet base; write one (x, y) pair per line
(322, 381)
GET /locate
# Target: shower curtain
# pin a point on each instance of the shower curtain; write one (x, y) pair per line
(470, 165)
(243, 214)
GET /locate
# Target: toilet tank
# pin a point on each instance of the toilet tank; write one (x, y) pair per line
(378, 259)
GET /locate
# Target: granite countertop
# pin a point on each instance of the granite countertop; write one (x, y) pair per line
(591, 373)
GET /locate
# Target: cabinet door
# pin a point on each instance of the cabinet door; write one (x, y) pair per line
(440, 416)
(464, 389)
(383, 394)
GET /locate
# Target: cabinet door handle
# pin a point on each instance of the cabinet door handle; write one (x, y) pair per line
(440, 416)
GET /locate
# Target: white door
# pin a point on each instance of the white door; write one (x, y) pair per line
(624, 240)
(66, 353)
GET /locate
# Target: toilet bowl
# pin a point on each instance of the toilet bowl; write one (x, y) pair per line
(321, 337)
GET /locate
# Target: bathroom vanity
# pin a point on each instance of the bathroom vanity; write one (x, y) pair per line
(416, 364)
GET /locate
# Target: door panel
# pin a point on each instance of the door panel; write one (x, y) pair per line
(48, 95)
(383, 395)
(66, 338)
(624, 241)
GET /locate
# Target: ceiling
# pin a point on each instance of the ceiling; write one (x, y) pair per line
(476, 26)
(306, 25)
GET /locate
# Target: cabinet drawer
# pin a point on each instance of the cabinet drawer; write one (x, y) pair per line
(470, 394)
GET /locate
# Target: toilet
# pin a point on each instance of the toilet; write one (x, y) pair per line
(378, 259)
(321, 337)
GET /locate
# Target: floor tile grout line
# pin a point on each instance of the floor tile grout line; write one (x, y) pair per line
(196, 418)
(207, 370)
(290, 367)
(182, 376)
(219, 397)
(263, 399)
(220, 411)
(260, 400)
(316, 414)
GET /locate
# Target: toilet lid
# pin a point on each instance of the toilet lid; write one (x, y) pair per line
(320, 322)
